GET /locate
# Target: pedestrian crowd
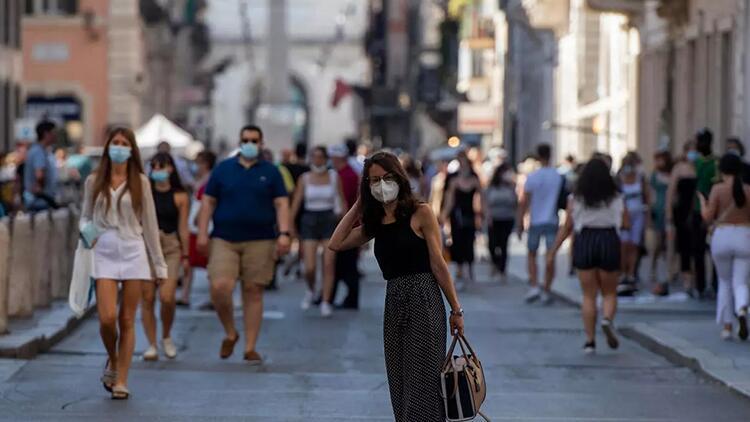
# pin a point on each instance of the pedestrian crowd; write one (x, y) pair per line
(679, 228)
(147, 225)
(40, 175)
(150, 224)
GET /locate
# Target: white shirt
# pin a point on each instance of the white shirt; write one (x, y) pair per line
(127, 224)
(633, 193)
(606, 216)
(323, 197)
(544, 186)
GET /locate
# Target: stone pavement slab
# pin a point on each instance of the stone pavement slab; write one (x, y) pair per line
(677, 327)
(28, 337)
(697, 345)
(567, 288)
(332, 370)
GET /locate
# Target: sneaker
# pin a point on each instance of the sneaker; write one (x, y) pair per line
(626, 289)
(546, 298)
(589, 348)
(307, 300)
(151, 354)
(253, 358)
(726, 334)
(609, 331)
(742, 318)
(170, 350)
(326, 310)
(533, 294)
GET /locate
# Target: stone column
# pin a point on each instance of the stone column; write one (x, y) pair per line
(274, 113)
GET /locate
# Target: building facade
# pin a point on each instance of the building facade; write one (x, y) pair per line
(10, 70)
(320, 54)
(83, 65)
(690, 70)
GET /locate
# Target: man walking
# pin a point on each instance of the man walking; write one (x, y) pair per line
(540, 199)
(346, 261)
(40, 170)
(248, 201)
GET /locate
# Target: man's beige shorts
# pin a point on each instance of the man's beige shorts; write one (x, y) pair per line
(252, 261)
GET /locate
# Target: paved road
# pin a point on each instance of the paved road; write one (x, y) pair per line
(332, 370)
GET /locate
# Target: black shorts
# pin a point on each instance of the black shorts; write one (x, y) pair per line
(596, 248)
(317, 225)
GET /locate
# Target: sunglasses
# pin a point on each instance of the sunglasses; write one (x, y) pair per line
(249, 140)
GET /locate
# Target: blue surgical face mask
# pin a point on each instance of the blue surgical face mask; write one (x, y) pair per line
(692, 156)
(159, 175)
(119, 154)
(249, 150)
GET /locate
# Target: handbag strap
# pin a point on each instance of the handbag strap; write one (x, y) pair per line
(468, 346)
(449, 355)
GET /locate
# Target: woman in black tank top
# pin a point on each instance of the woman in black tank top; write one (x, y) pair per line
(172, 209)
(409, 251)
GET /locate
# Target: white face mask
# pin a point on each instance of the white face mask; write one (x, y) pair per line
(385, 191)
(318, 169)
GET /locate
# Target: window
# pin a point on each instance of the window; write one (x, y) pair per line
(51, 7)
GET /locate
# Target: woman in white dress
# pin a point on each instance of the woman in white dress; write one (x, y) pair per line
(118, 208)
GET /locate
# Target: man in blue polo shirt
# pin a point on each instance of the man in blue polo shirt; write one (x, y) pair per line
(248, 201)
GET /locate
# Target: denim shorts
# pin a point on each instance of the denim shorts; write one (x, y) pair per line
(317, 225)
(536, 233)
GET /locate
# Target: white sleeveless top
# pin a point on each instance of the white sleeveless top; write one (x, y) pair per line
(633, 194)
(605, 216)
(323, 197)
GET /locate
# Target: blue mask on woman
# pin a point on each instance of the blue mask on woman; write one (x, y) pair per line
(159, 175)
(249, 150)
(119, 154)
(692, 156)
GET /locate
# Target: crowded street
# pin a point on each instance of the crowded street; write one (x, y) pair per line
(332, 369)
(375, 210)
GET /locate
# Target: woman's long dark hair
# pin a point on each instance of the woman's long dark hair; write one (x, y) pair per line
(596, 186)
(162, 159)
(103, 174)
(497, 176)
(731, 165)
(372, 209)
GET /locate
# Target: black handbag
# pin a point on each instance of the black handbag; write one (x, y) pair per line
(463, 384)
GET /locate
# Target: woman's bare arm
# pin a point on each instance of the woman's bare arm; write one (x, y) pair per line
(346, 236)
(296, 202)
(428, 225)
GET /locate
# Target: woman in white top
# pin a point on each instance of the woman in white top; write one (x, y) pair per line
(637, 199)
(320, 198)
(728, 208)
(596, 212)
(119, 209)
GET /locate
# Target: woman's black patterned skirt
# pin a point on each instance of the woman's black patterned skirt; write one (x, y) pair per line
(414, 335)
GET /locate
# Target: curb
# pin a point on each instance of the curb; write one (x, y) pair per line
(682, 353)
(28, 343)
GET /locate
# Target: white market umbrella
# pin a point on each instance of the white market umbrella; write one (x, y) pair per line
(159, 129)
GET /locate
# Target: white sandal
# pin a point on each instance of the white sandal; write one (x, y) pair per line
(120, 393)
(109, 377)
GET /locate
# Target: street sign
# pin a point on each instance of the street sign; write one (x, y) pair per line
(477, 118)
